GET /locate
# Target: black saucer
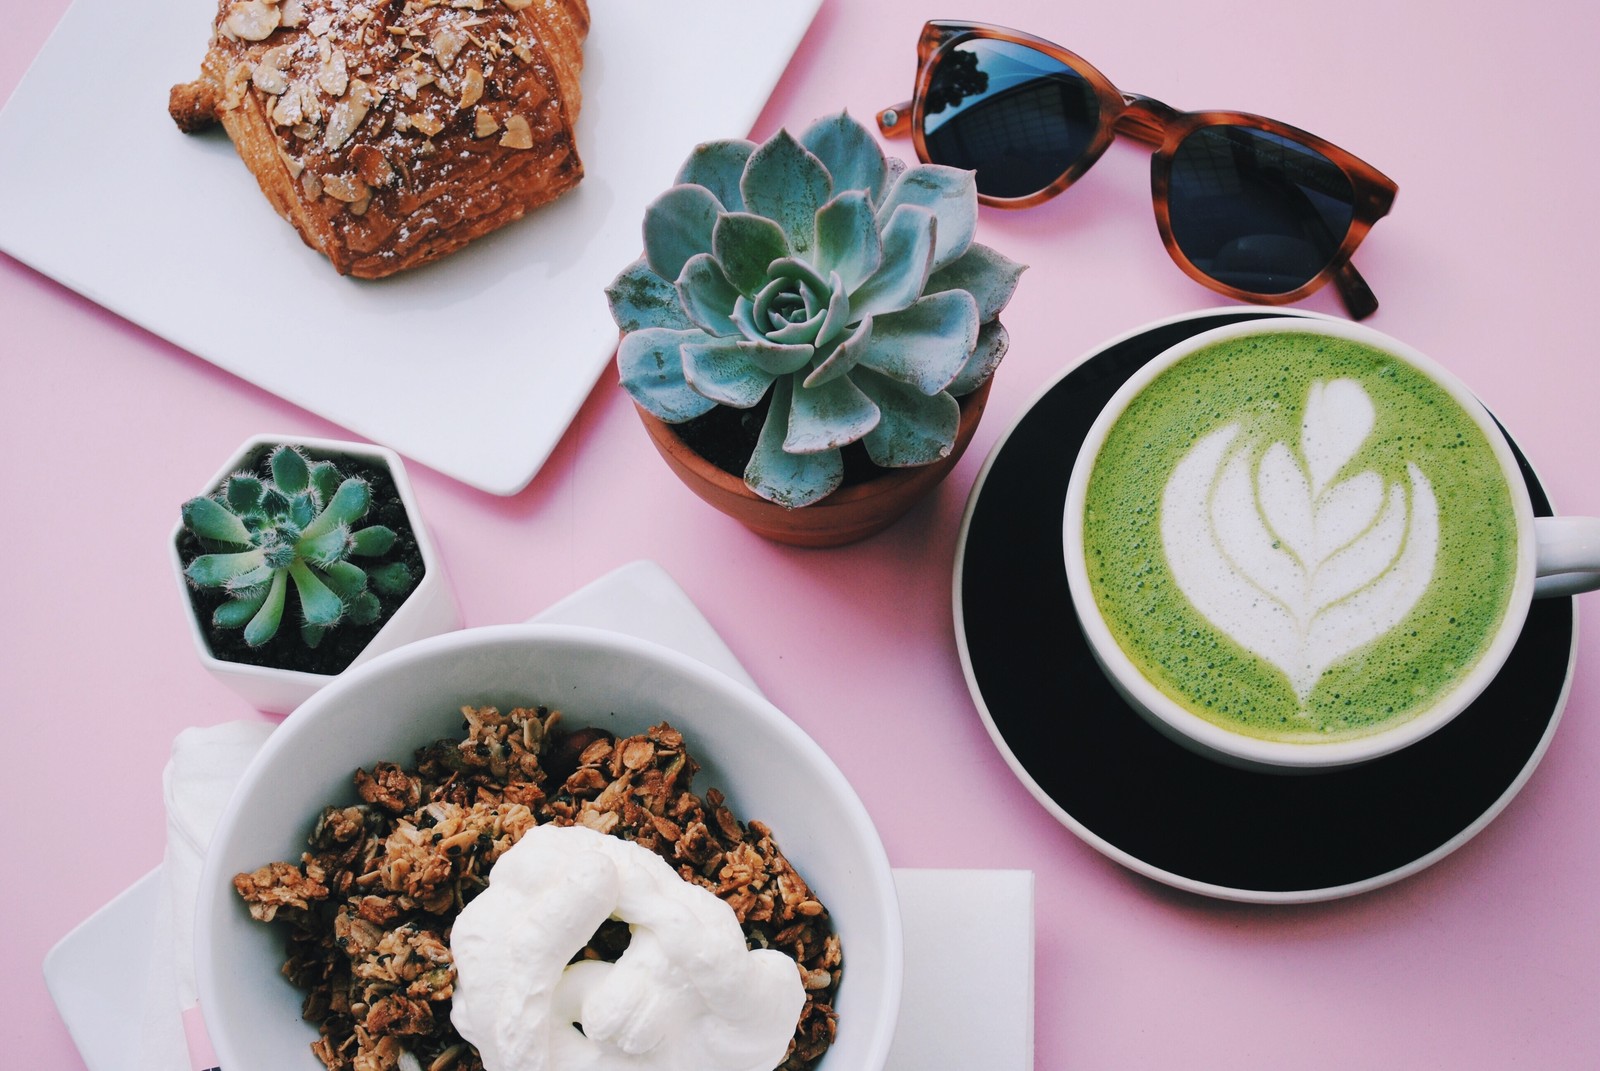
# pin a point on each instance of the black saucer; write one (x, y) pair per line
(1145, 801)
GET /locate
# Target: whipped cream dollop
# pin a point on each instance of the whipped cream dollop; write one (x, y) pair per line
(1295, 565)
(687, 995)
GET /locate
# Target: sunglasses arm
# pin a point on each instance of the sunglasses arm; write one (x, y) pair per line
(1358, 297)
(895, 121)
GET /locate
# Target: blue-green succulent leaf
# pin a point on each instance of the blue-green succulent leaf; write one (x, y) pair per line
(785, 183)
(718, 166)
(392, 579)
(258, 577)
(835, 361)
(847, 238)
(318, 604)
(640, 298)
(243, 492)
(916, 429)
(329, 547)
(951, 194)
(836, 319)
(707, 297)
(993, 341)
(990, 277)
(827, 417)
(744, 245)
(311, 635)
(364, 608)
(790, 480)
(373, 541)
(346, 507)
(264, 625)
(677, 225)
(926, 344)
(209, 519)
(850, 154)
(324, 481)
(290, 470)
(274, 503)
(345, 579)
(216, 570)
(651, 370)
(781, 299)
(722, 371)
(236, 613)
(908, 244)
(744, 318)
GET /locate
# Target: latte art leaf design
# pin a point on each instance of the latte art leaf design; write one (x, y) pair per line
(1295, 566)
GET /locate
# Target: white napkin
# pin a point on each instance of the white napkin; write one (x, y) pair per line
(199, 778)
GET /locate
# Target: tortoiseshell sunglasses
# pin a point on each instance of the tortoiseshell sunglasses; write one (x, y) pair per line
(1251, 207)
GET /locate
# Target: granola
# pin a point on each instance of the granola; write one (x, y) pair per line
(369, 906)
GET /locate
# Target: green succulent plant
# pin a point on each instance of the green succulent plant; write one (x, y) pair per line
(263, 536)
(818, 273)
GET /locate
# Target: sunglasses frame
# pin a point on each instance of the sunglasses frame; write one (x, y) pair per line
(1162, 127)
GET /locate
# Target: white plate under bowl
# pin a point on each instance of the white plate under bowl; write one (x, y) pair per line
(474, 365)
(765, 764)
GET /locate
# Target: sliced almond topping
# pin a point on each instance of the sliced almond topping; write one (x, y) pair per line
(517, 5)
(310, 185)
(333, 78)
(426, 123)
(347, 115)
(446, 46)
(518, 134)
(251, 20)
(371, 165)
(292, 13)
(483, 123)
(345, 188)
(471, 87)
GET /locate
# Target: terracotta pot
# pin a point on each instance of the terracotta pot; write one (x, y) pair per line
(851, 513)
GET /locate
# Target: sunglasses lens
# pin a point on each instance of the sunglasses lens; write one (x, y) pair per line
(1256, 211)
(1015, 116)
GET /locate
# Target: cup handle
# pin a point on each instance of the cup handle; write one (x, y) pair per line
(1569, 555)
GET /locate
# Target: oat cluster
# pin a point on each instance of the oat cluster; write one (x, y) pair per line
(369, 906)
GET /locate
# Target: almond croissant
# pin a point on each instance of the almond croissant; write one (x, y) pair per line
(393, 133)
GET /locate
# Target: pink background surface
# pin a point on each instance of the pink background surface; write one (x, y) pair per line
(1491, 958)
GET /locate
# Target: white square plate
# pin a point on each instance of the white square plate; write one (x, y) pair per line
(473, 365)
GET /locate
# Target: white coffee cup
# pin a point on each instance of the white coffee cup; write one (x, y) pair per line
(1554, 556)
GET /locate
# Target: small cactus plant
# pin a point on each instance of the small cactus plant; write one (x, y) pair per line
(840, 287)
(262, 536)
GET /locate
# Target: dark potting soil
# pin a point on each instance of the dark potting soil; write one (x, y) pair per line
(341, 644)
(726, 437)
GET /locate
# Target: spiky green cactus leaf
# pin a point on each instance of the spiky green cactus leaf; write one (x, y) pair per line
(993, 342)
(990, 277)
(236, 613)
(392, 579)
(786, 183)
(908, 244)
(847, 239)
(927, 343)
(290, 470)
(209, 519)
(216, 570)
(707, 297)
(916, 429)
(847, 149)
(372, 541)
(318, 604)
(243, 492)
(744, 244)
(274, 503)
(639, 298)
(345, 579)
(827, 417)
(677, 225)
(348, 505)
(264, 625)
(951, 195)
(364, 608)
(324, 481)
(303, 508)
(790, 480)
(718, 166)
(331, 546)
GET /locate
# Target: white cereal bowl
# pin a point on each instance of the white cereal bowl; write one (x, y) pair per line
(766, 765)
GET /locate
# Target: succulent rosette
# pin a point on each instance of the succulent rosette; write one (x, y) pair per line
(814, 272)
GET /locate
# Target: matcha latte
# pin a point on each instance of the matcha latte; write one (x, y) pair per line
(1300, 537)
